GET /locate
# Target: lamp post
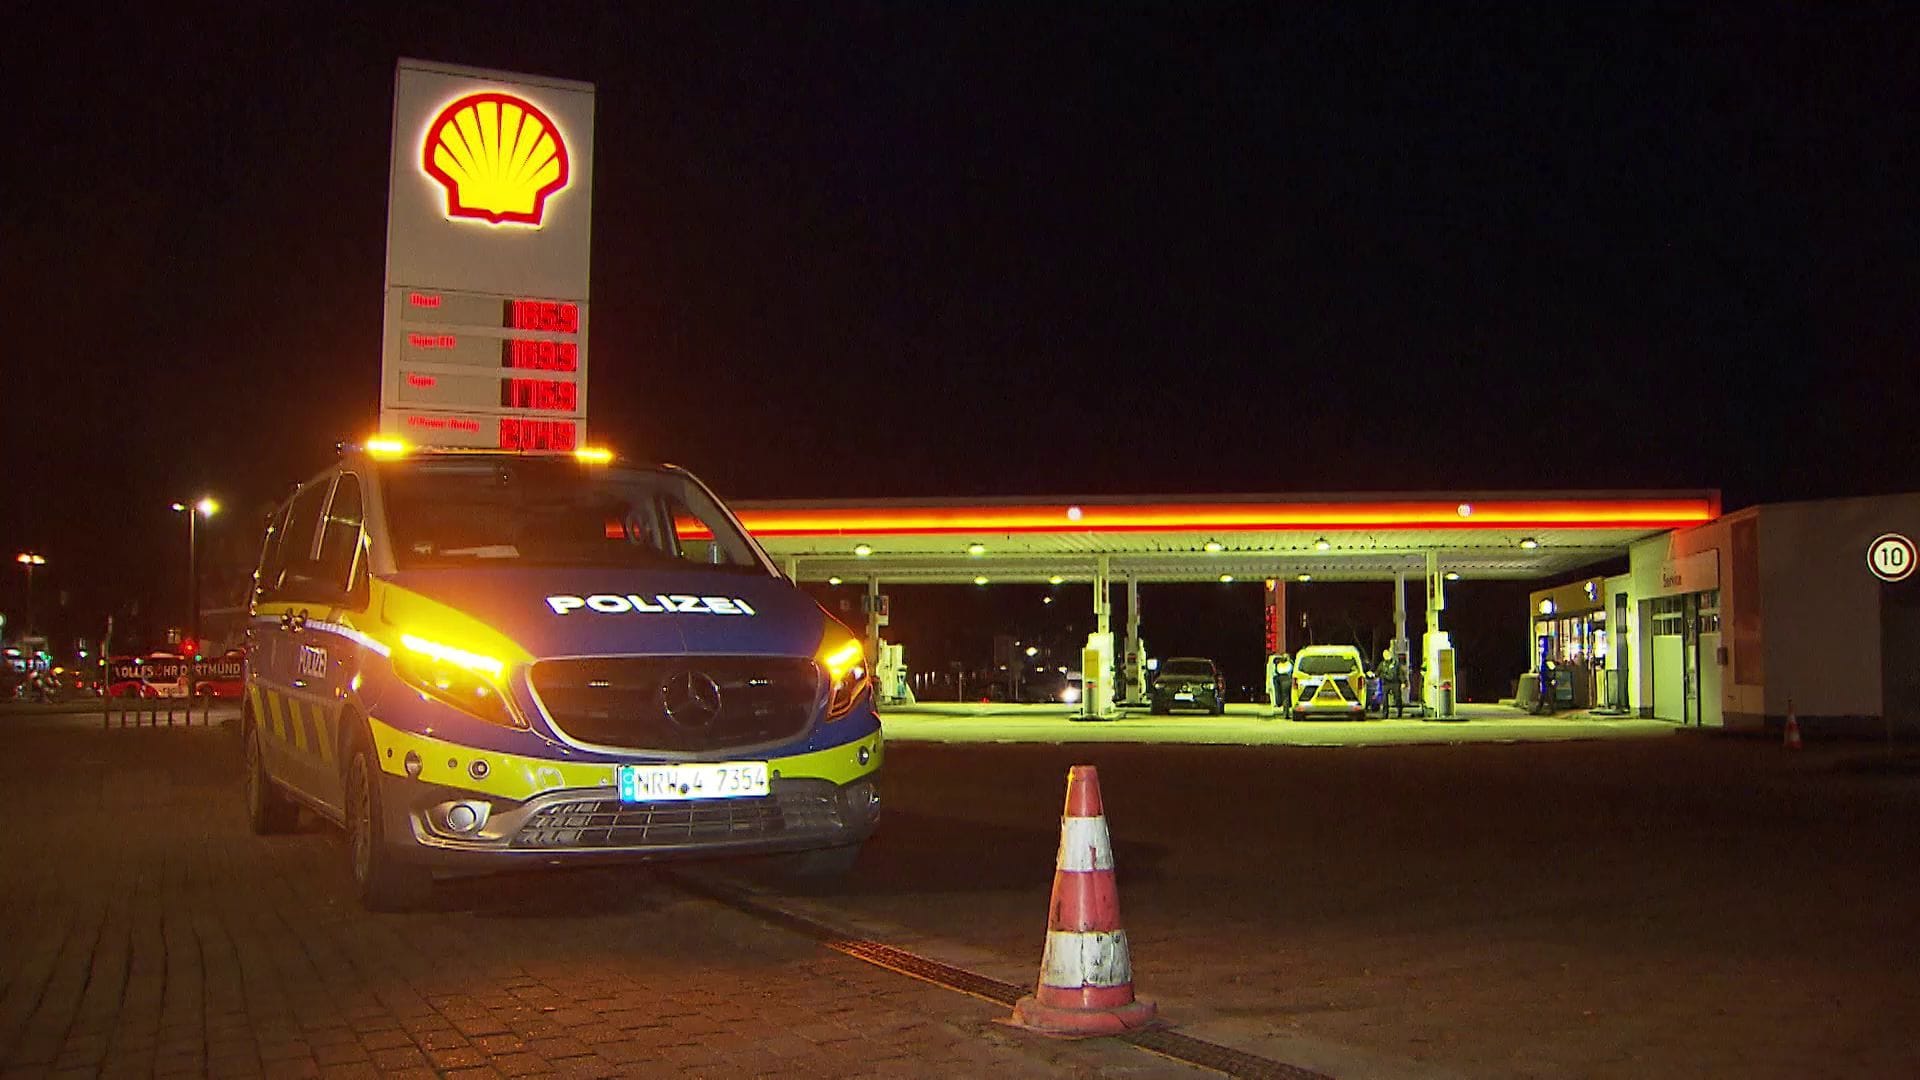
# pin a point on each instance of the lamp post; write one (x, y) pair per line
(206, 507)
(29, 560)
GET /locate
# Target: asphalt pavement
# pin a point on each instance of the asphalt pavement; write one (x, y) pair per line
(1620, 906)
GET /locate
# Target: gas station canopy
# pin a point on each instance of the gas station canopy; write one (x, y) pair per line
(1349, 537)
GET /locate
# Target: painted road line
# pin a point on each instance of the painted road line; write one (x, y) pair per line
(1169, 1044)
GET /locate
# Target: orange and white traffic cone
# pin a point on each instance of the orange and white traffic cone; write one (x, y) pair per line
(1793, 729)
(1086, 973)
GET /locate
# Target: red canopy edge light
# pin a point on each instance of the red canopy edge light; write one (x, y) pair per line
(1230, 517)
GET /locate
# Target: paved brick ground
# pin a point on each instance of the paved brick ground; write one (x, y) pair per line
(147, 933)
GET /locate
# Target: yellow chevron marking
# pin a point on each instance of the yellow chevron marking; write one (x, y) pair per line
(276, 721)
(324, 734)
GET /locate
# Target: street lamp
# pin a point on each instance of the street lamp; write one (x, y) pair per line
(206, 507)
(29, 560)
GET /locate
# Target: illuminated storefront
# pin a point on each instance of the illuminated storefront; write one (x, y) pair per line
(1571, 630)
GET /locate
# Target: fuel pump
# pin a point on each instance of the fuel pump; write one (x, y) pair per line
(1096, 678)
(890, 683)
(1437, 680)
(1133, 675)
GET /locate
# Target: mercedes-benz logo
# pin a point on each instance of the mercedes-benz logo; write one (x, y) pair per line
(691, 699)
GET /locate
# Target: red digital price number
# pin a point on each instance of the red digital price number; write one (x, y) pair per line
(543, 395)
(553, 316)
(518, 434)
(540, 355)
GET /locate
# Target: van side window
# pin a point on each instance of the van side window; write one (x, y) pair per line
(340, 535)
(290, 540)
(266, 577)
(299, 576)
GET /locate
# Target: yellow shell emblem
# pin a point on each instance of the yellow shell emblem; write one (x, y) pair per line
(498, 156)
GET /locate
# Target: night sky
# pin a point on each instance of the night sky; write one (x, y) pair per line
(904, 250)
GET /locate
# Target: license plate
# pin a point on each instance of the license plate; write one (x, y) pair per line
(1183, 697)
(685, 783)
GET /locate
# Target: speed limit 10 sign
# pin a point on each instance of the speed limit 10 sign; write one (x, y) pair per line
(1890, 557)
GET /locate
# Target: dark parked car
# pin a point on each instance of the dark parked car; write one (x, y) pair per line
(1188, 682)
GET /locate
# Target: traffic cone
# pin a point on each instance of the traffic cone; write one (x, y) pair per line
(1793, 728)
(1086, 973)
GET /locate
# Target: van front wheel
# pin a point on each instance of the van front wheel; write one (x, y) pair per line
(382, 882)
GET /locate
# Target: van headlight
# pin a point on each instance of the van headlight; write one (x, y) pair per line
(844, 663)
(468, 681)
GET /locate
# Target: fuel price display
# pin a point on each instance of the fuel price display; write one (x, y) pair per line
(477, 370)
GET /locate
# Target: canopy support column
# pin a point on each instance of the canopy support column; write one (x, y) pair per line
(1436, 650)
(1134, 692)
(1096, 660)
(1400, 615)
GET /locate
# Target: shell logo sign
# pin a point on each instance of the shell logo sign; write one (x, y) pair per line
(498, 156)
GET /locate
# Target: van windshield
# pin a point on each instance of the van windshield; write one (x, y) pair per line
(1326, 664)
(472, 512)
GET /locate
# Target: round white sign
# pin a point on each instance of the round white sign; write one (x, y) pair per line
(1890, 557)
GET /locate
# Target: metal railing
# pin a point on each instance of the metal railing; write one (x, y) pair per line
(132, 711)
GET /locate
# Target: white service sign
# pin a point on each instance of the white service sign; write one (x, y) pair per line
(489, 227)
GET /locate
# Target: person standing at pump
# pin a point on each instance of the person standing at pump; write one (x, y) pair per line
(1392, 688)
(1283, 682)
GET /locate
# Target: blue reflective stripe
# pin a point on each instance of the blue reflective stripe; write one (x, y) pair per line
(357, 637)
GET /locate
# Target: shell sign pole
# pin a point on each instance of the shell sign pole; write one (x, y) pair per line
(489, 224)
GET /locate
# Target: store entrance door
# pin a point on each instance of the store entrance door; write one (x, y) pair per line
(1669, 678)
(1672, 670)
(1709, 682)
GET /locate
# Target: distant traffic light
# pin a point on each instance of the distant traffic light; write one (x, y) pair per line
(190, 648)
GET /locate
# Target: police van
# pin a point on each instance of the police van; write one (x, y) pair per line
(475, 661)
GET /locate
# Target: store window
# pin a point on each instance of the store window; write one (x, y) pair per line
(1709, 616)
(1578, 639)
(1669, 614)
